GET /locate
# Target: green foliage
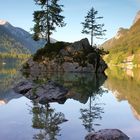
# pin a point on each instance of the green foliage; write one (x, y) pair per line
(89, 115)
(50, 51)
(47, 19)
(26, 66)
(14, 55)
(9, 44)
(90, 25)
(47, 120)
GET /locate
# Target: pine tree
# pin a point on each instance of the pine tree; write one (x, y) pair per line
(90, 25)
(47, 19)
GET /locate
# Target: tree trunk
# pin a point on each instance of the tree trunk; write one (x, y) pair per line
(48, 37)
(90, 114)
(48, 24)
(92, 38)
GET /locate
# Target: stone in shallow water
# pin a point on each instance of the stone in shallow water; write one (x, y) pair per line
(23, 87)
(43, 93)
(51, 92)
(107, 134)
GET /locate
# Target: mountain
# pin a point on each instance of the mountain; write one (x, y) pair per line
(137, 17)
(14, 39)
(110, 43)
(125, 45)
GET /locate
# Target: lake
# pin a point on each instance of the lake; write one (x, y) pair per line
(94, 102)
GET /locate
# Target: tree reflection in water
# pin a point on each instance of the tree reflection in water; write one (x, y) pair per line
(83, 88)
(88, 115)
(47, 120)
(94, 110)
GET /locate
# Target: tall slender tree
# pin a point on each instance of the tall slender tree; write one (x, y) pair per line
(90, 25)
(47, 19)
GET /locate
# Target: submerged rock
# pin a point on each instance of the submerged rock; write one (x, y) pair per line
(23, 87)
(107, 134)
(47, 92)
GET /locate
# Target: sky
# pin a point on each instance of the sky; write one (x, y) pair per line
(116, 13)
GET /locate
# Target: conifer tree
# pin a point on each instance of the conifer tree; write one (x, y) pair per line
(47, 19)
(90, 25)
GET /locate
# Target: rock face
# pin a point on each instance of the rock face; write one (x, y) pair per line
(47, 92)
(137, 17)
(107, 134)
(77, 57)
(121, 32)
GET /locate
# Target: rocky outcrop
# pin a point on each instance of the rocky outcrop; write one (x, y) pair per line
(121, 32)
(107, 134)
(47, 92)
(77, 57)
(137, 17)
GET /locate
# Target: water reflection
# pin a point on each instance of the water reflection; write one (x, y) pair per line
(47, 120)
(125, 85)
(8, 76)
(80, 85)
(92, 113)
(83, 108)
(83, 88)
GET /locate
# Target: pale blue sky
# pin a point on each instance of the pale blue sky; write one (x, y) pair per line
(116, 13)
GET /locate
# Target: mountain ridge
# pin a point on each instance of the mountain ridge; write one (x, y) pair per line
(16, 35)
(137, 17)
(15, 39)
(125, 45)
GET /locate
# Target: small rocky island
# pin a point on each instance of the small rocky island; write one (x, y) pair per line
(77, 57)
(66, 57)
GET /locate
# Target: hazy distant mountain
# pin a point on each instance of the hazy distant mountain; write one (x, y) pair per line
(125, 44)
(14, 39)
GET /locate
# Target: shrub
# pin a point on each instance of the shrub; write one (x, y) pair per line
(26, 66)
(50, 50)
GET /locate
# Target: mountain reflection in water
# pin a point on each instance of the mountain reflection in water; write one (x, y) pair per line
(8, 76)
(89, 105)
(125, 85)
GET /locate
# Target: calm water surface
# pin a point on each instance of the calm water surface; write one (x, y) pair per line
(94, 102)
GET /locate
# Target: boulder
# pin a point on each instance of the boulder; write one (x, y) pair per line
(47, 92)
(23, 87)
(76, 46)
(51, 92)
(107, 134)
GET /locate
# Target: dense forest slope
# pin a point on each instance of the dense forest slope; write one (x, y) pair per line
(125, 46)
(16, 40)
